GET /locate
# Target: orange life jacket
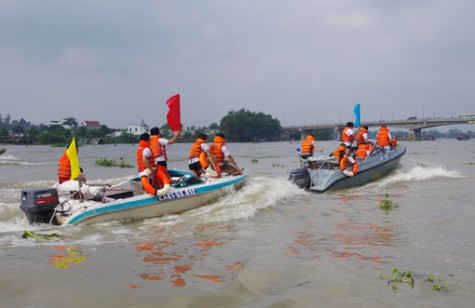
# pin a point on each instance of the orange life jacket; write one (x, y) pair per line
(204, 162)
(394, 142)
(345, 137)
(361, 151)
(64, 167)
(157, 148)
(370, 147)
(196, 148)
(339, 151)
(139, 155)
(359, 135)
(215, 148)
(307, 146)
(383, 137)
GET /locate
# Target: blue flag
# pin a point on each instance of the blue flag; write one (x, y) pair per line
(356, 111)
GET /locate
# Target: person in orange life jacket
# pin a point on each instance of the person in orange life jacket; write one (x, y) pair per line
(306, 150)
(64, 169)
(394, 142)
(362, 135)
(362, 152)
(199, 146)
(347, 137)
(147, 169)
(221, 152)
(383, 138)
(308, 145)
(158, 146)
(339, 152)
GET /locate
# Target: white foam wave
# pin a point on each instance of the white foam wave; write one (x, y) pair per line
(8, 157)
(421, 173)
(259, 193)
(417, 174)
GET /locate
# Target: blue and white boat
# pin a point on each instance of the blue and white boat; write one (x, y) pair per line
(125, 201)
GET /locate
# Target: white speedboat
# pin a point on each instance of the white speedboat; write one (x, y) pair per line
(69, 204)
(328, 175)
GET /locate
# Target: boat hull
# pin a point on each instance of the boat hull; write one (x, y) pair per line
(72, 202)
(147, 206)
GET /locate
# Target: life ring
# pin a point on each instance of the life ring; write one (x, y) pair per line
(147, 186)
(159, 176)
(163, 179)
(348, 166)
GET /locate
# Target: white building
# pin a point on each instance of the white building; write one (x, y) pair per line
(137, 129)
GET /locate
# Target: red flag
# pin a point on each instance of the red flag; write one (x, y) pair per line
(173, 116)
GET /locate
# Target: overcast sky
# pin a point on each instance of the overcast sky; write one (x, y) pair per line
(301, 61)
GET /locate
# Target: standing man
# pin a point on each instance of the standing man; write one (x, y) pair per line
(306, 150)
(308, 145)
(148, 172)
(158, 146)
(347, 137)
(64, 166)
(383, 138)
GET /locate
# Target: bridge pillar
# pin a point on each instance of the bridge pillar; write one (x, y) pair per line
(415, 134)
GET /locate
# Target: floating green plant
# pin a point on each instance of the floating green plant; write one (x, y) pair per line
(409, 277)
(254, 160)
(104, 162)
(436, 283)
(386, 204)
(28, 233)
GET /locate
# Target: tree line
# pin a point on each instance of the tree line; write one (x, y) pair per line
(238, 126)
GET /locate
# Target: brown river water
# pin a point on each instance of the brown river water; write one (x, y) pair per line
(269, 244)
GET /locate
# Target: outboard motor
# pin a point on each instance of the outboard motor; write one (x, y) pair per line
(301, 177)
(38, 204)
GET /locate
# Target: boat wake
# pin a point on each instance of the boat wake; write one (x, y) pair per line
(416, 174)
(259, 193)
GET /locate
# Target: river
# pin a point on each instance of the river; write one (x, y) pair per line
(269, 244)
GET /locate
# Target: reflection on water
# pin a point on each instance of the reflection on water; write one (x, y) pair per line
(270, 244)
(72, 255)
(177, 263)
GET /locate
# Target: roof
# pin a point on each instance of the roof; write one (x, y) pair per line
(92, 123)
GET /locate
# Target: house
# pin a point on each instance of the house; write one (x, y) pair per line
(137, 129)
(91, 125)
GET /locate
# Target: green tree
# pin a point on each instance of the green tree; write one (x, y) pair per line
(245, 126)
(71, 122)
(214, 126)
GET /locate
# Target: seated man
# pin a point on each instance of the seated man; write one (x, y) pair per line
(224, 160)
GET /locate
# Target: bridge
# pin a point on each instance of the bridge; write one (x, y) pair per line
(415, 126)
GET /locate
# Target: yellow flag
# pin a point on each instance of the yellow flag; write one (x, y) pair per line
(73, 159)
